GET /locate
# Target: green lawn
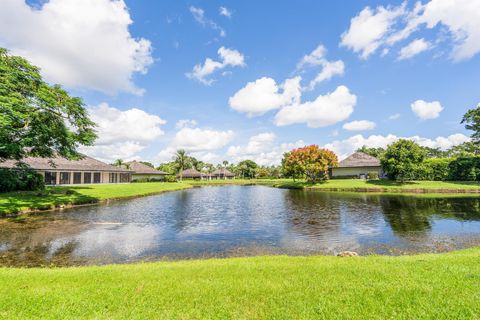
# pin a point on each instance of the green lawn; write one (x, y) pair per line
(384, 185)
(444, 286)
(55, 196)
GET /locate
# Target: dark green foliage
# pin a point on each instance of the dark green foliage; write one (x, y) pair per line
(465, 169)
(471, 119)
(37, 119)
(373, 175)
(247, 169)
(21, 179)
(374, 152)
(402, 160)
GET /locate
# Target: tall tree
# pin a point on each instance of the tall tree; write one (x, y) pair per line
(374, 152)
(247, 168)
(182, 160)
(37, 119)
(471, 119)
(311, 161)
(402, 160)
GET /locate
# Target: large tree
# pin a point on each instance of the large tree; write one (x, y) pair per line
(402, 160)
(247, 168)
(311, 161)
(471, 119)
(38, 119)
(182, 161)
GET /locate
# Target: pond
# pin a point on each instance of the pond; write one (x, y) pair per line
(240, 220)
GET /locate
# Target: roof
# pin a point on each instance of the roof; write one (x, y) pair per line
(222, 172)
(59, 163)
(141, 168)
(359, 159)
(190, 173)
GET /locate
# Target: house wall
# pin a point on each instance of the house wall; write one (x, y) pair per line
(356, 171)
(104, 176)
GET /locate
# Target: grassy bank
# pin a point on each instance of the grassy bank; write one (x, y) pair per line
(52, 197)
(445, 286)
(385, 186)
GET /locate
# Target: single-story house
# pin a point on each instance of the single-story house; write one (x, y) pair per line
(222, 173)
(87, 170)
(141, 171)
(357, 165)
(191, 174)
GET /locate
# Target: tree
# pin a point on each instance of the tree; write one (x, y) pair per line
(466, 149)
(121, 163)
(169, 167)
(37, 119)
(402, 160)
(148, 164)
(471, 119)
(434, 152)
(182, 160)
(374, 152)
(247, 168)
(311, 161)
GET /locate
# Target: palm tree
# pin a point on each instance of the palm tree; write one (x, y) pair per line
(225, 163)
(121, 163)
(182, 160)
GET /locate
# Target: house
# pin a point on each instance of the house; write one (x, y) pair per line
(141, 171)
(191, 174)
(87, 170)
(357, 165)
(222, 173)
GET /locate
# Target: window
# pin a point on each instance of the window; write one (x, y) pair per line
(113, 178)
(96, 177)
(50, 178)
(87, 177)
(77, 177)
(124, 177)
(64, 177)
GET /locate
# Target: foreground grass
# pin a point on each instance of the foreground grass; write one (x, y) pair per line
(385, 185)
(445, 286)
(14, 202)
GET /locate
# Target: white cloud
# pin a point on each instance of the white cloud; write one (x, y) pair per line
(262, 149)
(359, 125)
(394, 116)
(223, 11)
(185, 123)
(122, 134)
(197, 141)
(325, 110)
(413, 48)
(343, 148)
(264, 95)
(329, 68)
(229, 57)
(199, 16)
(79, 44)
(369, 28)
(426, 110)
(372, 29)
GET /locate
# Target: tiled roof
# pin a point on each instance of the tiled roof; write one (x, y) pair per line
(190, 173)
(59, 163)
(222, 172)
(141, 168)
(359, 159)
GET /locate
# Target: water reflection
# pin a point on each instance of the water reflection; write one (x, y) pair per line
(221, 221)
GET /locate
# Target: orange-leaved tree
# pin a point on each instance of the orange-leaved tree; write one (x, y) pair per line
(310, 161)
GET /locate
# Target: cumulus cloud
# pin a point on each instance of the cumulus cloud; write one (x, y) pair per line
(199, 142)
(122, 134)
(413, 48)
(343, 148)
(394, 116)
(383, 27)
(224, 11)
(77, 43)
(229, 57)
(264, 94)
(262, 149)
(359, 125)
(199, 16)
(369, 29)
(426, 110)
(325, 110)
(185, 123)
(329, 68)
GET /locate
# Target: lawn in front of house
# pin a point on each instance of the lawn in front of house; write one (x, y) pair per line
(427, 286)
(13, 202)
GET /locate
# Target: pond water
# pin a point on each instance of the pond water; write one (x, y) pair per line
(241, 220)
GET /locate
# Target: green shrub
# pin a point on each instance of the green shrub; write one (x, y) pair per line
(465, 169)
(170, 178)
(372, 175)
(21, 179)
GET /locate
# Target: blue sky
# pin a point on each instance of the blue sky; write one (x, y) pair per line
(404, 70)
